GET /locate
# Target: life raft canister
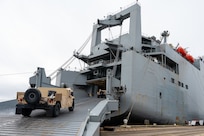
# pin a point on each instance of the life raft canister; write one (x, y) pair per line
(190, 58)
(182, 51)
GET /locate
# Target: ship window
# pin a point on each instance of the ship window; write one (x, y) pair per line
(179, 83)
(160, 95)
(172, 80)
(171, 65)
(186, 86)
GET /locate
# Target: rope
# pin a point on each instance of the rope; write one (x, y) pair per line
(128, 116)
(117, 53)
(71, 59)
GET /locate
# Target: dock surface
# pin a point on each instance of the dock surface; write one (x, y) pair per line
(168, 130)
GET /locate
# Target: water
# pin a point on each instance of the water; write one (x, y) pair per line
(5, 99)
(2, 100)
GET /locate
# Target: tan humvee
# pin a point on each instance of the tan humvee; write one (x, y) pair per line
(101, 93)
(49, 99)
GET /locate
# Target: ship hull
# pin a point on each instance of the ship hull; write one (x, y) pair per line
(152, 95)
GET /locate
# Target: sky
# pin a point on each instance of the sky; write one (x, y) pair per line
(45, 33)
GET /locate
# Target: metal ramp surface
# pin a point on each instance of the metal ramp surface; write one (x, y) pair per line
(67, 123)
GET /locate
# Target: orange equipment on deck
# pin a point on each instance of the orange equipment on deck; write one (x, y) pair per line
(182, 51)
(189, 58)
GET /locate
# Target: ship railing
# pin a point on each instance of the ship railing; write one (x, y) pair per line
(109, 61)
(160, 63)
(83, 127)
(102, 61)
(153, 49)
(96, 116)
(148, 51)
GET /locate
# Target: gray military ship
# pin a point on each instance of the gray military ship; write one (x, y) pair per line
(149, 78)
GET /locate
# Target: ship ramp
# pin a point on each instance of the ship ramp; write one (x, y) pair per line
(85, 120)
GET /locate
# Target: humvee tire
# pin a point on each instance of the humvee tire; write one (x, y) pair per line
(56, 110)
(49, 113)
(26, 112)
(72, 108)
(32, 96)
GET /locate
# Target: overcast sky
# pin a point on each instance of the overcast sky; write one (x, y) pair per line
(44, 33)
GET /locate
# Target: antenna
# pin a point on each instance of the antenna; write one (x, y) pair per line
(164, 35)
